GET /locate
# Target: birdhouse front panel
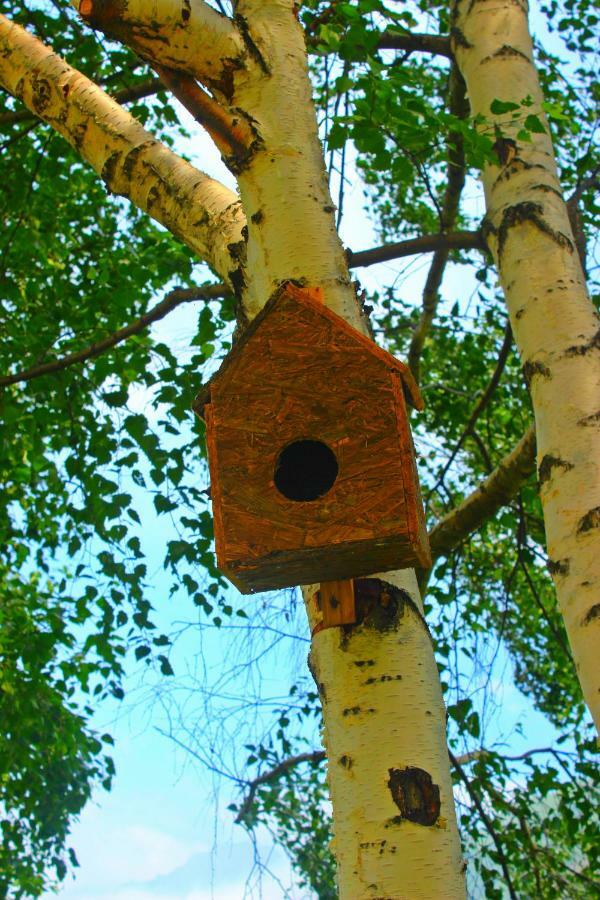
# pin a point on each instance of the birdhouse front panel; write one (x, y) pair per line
(310, 453)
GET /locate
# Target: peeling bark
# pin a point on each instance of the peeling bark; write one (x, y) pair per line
(555, 326)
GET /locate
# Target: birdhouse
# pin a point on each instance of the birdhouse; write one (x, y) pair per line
(312, 464)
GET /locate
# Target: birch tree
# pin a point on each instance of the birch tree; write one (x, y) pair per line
(244, 78)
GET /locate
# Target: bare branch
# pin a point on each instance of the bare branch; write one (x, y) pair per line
(172, 300)
(481, 403)
(436, 44)
(189, 37)
(488, 824)
(314, 757)
(455, 180)
(427, 243)
(496, 491)
(199, 210)
(231, 133)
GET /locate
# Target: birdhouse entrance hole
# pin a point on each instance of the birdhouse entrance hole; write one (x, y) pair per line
(305, 470)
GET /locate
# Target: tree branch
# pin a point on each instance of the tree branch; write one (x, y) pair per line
(316, 756)
(436, 44)
(455, 180)
(496, 491)
(189, 37)
(202, 212)
(426, 243)
(172, 300)
(319, 756)
(481, 403)
(231, 133)
(126, 95)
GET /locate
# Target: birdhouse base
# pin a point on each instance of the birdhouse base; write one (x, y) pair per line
(288, 568)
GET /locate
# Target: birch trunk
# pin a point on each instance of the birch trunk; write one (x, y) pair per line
(395, 827)
(554, 323)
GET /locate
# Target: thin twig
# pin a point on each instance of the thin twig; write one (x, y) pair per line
(448, 212)
(481, 403)
(171, 301)
(487, 822)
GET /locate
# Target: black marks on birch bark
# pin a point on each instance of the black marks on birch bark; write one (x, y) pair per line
(505, 150)
(583, 349)
(380, 605)
(532, 213)
(415, 795)
(357, 710)
(545, 188)
(590, 521)
(364, 662)
(381, 679)
(237, 278)
(109, 168)
(592, 614)
(251, 46)
(506, 52)
(558, 566)
(345, 762)
(41, 94)
(530, 369)
(548, 464)
(186, 11)
(516, 165)
(592, 419)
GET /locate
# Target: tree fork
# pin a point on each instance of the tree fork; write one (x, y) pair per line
(196, 208)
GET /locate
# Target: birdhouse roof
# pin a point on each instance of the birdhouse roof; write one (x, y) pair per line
(310, 299)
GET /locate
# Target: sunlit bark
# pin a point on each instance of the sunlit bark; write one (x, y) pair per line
(201, 211)
(555, 326)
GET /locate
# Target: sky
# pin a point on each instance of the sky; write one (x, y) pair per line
(164, 830)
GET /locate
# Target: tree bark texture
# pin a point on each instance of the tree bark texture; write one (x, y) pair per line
(556, 328)
(199, 210)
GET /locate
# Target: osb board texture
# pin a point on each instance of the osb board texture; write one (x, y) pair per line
(311, 299)
(302, 377)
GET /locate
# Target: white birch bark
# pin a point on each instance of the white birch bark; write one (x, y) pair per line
(202, 212)
(386, 716)
(186, 35)
(554, 323)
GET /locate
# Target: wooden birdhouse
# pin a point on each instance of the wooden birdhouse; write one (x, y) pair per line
(312, 465)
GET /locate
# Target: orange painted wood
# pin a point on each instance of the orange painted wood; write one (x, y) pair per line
(336, 603)
(298, 373)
